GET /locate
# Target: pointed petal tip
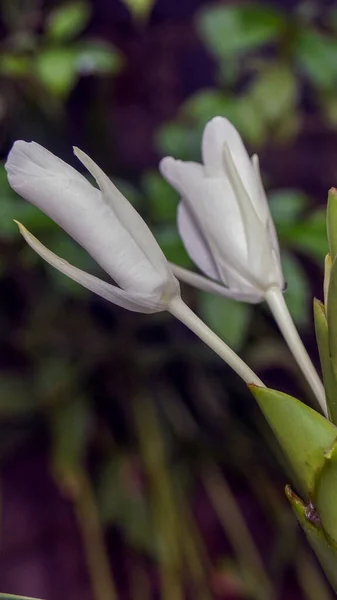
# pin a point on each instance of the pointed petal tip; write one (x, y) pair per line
(21, 227)
(166, 163)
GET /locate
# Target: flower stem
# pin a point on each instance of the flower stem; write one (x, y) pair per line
(274, 298)
(181, 311)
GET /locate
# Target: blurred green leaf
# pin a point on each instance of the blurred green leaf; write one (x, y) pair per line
(230, 30)
(14, 66)
(274, 93)
(316, 55)
(308, 234)
(161, 197)
(96, 56)
(179, 140)
(68, 20)
(298, 289)
(302, 433)
(206, 104)
(140, 9)
(123, 501)
(172, 246)
(227, 317)
(286, 206)
(56, 70)
(70, 425)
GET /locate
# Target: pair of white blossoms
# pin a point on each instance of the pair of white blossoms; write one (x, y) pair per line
(223, 219)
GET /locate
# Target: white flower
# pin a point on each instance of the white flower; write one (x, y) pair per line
(100, 220)
(227, 229)
(224, 218)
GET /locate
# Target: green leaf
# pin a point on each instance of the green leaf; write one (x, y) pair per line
(206, 104)
(331, 222)
(298, 289)
(287, 206)
(56, 70)
(70, 425)
(316, 54)
(322, 336)
(162, 199)
(302, 433)
(175, 139)
(228, 318)
(325, 552)
(14, 66)
(308, 236)
(274, 92)
(325, 495)
(97, 57)
(332, 315)
(67, 21)
(123, 500)
(140, 9)
(231, 30)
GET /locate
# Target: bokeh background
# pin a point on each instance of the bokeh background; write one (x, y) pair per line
(134, 464)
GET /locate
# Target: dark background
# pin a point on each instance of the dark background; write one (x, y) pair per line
(133, 462)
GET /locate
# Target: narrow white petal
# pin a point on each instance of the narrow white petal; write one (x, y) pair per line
(195, 242)
(134, 302)
(126, 214)
(80, 209)
(209, 285)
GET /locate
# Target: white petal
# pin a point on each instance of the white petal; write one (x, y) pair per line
(194, 241)
(180, 174)
(79, 208)
(134, 302)
(126, 214)
(217, 132)
(208, 285)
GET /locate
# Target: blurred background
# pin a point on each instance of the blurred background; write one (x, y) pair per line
(134, 464)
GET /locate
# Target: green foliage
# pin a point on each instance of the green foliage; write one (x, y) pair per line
(140, 9)
(56, 59)
(326, 552)
(228, 318)
(316, 54)
(298, 289)
(55, 68)
(67, 21)
(332, 315)
(322, 336)
(302, 433)
(332, 223)
(161, 198)
(325, 495)
(229, 30)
